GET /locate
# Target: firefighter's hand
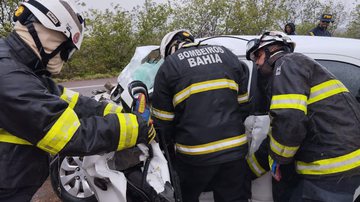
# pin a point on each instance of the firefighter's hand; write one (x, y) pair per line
(147, 131)
(275, 169)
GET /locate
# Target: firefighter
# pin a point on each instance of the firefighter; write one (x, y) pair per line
(321, 28)
(199, 100)
(314, 122)
(40, 118)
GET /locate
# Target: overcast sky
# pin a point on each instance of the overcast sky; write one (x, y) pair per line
(126, 4)
(129, 4)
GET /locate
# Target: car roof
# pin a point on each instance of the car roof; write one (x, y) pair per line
(313, 46)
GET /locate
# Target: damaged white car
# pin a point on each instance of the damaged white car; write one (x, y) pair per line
(70, 175)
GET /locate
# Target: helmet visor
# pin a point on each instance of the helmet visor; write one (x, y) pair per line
(67, 53)
(251, 47)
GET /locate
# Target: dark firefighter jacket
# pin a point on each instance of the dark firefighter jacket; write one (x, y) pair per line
(315, 121)
(38, 118)
(198, 92)
(318, 31)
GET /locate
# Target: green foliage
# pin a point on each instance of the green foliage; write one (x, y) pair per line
(353, 29)
(202, 17)
(7, 9)
(151, 22)
(108, 46)
(253, 16)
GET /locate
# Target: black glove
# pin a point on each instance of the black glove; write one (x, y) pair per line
(147, 131)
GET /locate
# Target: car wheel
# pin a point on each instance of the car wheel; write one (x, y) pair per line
(69, 182)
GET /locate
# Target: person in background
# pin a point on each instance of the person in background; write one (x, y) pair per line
(199, 102)
(290, 29)
(40, 118)
(322, 28)
(315, 123)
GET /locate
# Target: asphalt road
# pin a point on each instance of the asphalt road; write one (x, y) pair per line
(86, 87)
(46, 193)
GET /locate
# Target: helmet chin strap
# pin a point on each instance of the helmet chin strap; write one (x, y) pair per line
(266, 68)
(270, 58)
(42, 63)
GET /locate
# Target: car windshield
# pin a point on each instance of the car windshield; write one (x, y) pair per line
(143, 67)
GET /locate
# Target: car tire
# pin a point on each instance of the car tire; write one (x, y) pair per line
(69, 182)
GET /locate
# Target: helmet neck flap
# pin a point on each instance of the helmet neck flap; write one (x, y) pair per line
(57, 15)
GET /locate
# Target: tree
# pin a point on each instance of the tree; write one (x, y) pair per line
(305, 14)
(253, 16)
(202, 17)
(353, 29)
(151, 22)
(107, 46)
(7, 9)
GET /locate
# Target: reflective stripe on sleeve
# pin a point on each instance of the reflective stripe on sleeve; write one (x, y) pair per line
(9, 138)
(243, 98)
(255, 166)
(70, 97)
(128, 131)
(112, 109)
(325, 90)
(271, 163)
(330, 165)
(212, 146)
(162, 115)
(203, 87)
(282, 150)
(60, 133)
(289, 101)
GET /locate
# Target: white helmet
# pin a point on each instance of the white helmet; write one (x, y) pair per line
(167, 41)
(58, 15)
(268, 38)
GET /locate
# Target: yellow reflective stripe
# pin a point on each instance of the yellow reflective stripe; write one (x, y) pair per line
(128, 131)
(271, 162)
(330, 165)
(203, 87)
(70, 97)
(325, 90)
(163, 115)
(212, 146)
(282, 150)
(289, 101)
(60, 133)
(243, 98)
(9, 138)
(255, 166)
(112, 109)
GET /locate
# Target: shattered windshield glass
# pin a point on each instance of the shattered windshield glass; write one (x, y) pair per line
(143, 67)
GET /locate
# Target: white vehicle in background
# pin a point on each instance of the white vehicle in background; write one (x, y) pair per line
(340, 55)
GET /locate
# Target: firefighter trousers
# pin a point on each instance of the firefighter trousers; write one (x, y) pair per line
(229, 181)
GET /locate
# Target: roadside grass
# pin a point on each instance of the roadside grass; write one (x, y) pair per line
(86, 77)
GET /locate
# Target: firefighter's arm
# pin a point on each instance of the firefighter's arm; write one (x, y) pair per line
(288, 110)
(85, 106)
(243, 95)
(258, 161)
(162, 106)
(33, 116)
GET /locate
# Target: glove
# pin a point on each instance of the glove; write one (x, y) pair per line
(142, 108)
(256, 129)
(147, 131)
(274, 169)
